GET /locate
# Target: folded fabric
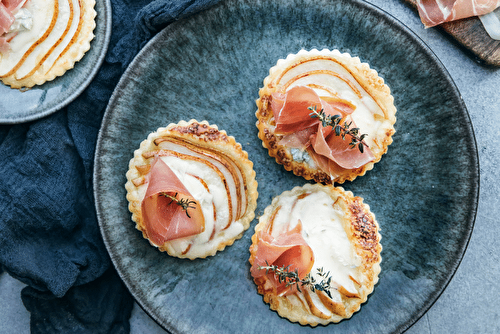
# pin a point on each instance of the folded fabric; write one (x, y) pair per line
(98, 307)
(49, 234)
(434, 12)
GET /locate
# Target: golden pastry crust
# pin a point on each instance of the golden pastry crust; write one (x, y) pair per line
(205, 150)
(73, 33)
(362, 231)
(322, 71)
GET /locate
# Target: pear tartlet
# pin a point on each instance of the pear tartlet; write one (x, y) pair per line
(302, 98)
(191, 189)
(44, 39)
(315, 255)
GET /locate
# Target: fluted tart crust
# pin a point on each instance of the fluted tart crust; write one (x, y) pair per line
(336, 77)
(218, 175)
(342, 235)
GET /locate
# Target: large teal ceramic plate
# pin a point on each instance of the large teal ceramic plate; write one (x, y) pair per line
(424, 191)
(22, 106)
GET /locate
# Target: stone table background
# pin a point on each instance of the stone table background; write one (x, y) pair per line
(470, 302)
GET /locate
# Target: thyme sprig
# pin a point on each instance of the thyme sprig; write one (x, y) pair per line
(340, 129)
(184, 203)
(283, 274)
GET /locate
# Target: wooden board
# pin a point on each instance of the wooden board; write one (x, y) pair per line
(470, 34)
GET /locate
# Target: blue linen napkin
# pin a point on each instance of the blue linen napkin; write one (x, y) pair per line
(49, 236)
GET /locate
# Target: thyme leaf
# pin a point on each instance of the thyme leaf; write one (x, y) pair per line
(184, 203)
(284, 275)
(335, 121)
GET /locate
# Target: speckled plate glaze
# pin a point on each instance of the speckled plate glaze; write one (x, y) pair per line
(424, 192)
(18, 107)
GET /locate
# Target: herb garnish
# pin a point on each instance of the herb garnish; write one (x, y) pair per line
(340, 129)
(182, 202)
(292, 277)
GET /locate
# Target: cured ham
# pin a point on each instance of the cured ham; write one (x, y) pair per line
(338, 150)
(435, 12)
(6, 18)
(164, 219)
(289, 249)
(13, 5)
(7, 10)
(292, 114)
(293, 119)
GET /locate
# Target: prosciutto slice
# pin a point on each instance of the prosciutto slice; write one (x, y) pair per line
(7, 11)
(164, 219)
(293, 119)
(13, 5)
(434, 12)
(288, 249)
(6, 18)
(337, 149)
(291, 111)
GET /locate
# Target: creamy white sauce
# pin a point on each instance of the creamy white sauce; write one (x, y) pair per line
(324, 233)
(23, 21)
(167, 145)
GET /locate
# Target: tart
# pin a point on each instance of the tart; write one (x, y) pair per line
(191, 189)
(302, 97)
(315, 255)
(42, 39)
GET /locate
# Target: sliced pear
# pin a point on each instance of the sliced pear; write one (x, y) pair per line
(73, 33)
(25, 42)
(312, 302)
(334, 304)
(45, 49)
(79, 44)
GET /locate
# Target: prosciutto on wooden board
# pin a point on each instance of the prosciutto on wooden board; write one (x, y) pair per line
(288, 249)
(163, 218)
(434, 12)
(293, 120)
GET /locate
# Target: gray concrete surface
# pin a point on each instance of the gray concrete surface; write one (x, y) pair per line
(469, 303)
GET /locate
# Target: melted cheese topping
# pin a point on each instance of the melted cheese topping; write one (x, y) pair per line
(324, 233)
